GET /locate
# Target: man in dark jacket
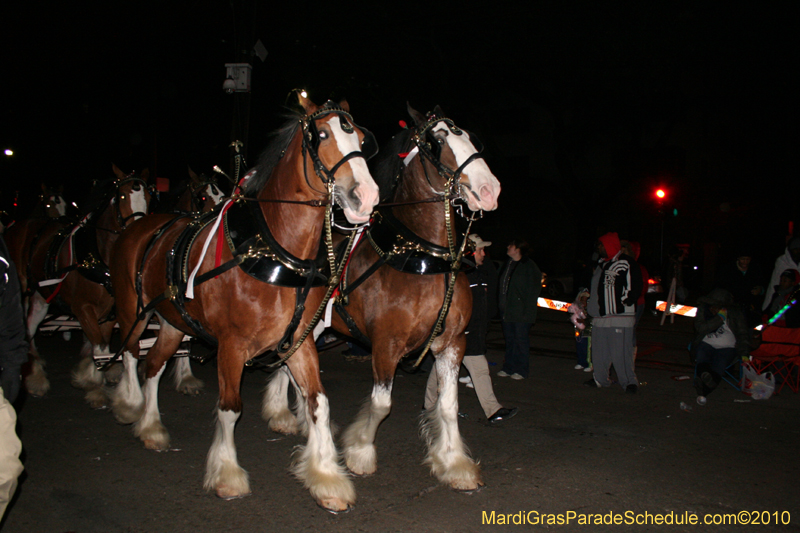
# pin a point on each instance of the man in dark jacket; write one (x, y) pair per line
(13, 347)
(520, 284)
(722, 335)
(616, 285)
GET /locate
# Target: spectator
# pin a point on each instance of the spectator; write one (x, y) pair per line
(10, 448)
(785, 292)
(789, 260)
(745, 282)
(481, 281)
(616, 284)
(583, 339)
(722, 334)
(13, 347)
(520, 285)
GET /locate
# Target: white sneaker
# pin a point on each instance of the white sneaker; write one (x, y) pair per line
(516, 376)
(578, 367)
(588, 369)
(465, 379)
(701, 400)
(503, 374)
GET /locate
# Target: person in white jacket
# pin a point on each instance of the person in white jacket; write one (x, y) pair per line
(789, 260)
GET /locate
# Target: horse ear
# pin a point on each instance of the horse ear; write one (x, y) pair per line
(44, 188)
(416, 115)
(438, 111)
(145, 175)
(344, 105)
(61, 189)
(307, 104)
(117, 172)
(192, 175)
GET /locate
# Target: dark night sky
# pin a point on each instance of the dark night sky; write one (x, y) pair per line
(584, 107)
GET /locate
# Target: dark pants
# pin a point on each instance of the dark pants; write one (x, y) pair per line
(582, 349)
(518, 348)
(711, 365)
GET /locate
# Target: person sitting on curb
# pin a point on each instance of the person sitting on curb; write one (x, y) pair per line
(722, 335)
(481, 281)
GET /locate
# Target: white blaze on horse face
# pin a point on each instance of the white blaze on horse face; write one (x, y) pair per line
(138, 201)
(484, 188)
(214, 194)
(58, 203)
(366, 190)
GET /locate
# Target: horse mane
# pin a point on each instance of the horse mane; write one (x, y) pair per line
(278, 142)
(387, 164)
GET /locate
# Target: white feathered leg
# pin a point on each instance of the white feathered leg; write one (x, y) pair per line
(149, 428)
(275, 404)
(127, 400)
(223, 473)
(36, 382)
(316, 464)
(447, 453)
(185, 382)
(359, 438)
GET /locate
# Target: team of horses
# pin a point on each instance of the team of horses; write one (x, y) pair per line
(253, 275)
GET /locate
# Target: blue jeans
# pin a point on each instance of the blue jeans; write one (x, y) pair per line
(582, 349)
(518, 348)
(713, 361)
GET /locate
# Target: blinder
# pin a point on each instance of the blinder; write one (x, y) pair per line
(369, 146)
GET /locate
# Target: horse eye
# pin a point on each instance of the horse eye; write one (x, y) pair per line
(323, 135)
(122, 197)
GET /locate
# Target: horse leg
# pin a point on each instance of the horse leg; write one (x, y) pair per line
(359, 438)
(127, 400)
(149, 428)
(275, 406)
(86, 375)
(447, 454)
(223, 474)
(36, 381)
(185, 382)
(316, 464)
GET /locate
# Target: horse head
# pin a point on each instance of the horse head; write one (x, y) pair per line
(53, 201)
(457, 153)
(339, 150)
(132, 196)
(206, 194)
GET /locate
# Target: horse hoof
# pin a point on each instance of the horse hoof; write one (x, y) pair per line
(151, 444)
(226, 493)
(467, 487)
(334, 505)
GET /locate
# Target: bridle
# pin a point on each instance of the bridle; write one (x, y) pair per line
(123, 221)
(196, 196)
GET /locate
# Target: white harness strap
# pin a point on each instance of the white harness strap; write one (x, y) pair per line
(190, 282)
(411, 155)
(214, 228)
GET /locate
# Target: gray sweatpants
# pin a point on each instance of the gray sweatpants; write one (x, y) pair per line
(613, 345)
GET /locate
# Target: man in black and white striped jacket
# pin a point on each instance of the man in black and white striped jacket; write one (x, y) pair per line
(616, 285)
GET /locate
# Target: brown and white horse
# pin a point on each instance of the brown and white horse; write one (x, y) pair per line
(273, 235)
(397, 305)
(200, 194)
(22, 233)
(69, 260)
